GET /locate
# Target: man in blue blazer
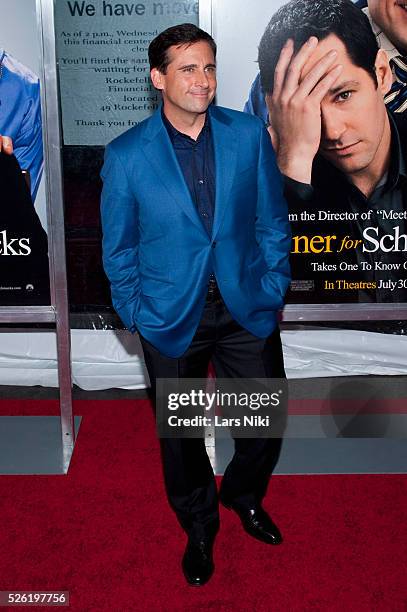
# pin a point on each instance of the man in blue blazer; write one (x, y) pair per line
(196, 243)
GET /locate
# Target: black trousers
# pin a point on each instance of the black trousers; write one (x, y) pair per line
(188, 474)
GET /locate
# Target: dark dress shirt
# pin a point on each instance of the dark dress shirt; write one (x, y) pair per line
(197, 162)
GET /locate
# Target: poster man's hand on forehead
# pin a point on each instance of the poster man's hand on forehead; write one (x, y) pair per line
(6, 145)
(295, 107)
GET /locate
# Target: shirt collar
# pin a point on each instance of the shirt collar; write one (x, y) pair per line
(398, 167)
(382, 40)
(175, 134)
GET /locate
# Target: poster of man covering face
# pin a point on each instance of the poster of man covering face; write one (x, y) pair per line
(24, 275)
(331, 86)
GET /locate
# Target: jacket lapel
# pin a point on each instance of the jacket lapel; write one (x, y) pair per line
(160, 153)
(225, 148)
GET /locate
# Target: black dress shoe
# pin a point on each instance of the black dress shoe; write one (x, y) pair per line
(257, 523)
(197, 562)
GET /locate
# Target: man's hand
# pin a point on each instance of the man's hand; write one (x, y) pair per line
(6, 145)
(295, 107)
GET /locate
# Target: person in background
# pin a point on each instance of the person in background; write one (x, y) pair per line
(20, 117)
(388, 19)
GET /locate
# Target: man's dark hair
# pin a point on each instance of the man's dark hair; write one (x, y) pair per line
(183, 34)
(300, 19)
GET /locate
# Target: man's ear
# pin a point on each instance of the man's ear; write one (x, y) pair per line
(383, 72)
(157, 78)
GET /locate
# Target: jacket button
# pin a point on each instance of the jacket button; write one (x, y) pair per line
(213, 245)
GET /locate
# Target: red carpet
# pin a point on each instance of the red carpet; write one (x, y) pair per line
(104, 531)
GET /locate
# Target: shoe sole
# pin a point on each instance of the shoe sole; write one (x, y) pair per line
(197, 584)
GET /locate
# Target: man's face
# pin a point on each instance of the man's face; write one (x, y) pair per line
(355, 129)
(189, 85)
(391, 17)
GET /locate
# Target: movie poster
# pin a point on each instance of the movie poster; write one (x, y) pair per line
(342, 255)
(24, 270)
(105, 90)
(349, 235)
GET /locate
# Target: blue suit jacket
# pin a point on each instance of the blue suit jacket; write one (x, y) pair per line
(156, 251)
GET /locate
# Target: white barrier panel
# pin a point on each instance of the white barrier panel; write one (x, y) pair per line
(113, 359)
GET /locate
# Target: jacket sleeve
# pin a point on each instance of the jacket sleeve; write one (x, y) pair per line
(119, 215)
(272, 226)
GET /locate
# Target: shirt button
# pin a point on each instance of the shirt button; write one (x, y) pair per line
(204, 214)
(200, 182)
